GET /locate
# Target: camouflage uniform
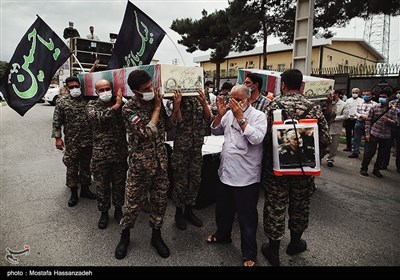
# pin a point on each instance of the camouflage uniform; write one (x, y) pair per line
(110, 151)
(147, 163)
(187, 157)
(78, 139)
(295, 190)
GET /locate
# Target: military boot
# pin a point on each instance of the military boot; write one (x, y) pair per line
(103, 221)
(86, 193)
(118, 214)
(122, 247)
(271, 252)
(296, 244)
(191, 217)
(158, 243)
(180, 219)
(74, 197)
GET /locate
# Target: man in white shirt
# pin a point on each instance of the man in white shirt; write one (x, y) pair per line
(352, 104)
(91, 35)
(244, 128)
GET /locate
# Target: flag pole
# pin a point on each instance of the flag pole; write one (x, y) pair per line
(83, 70)
(176, 48)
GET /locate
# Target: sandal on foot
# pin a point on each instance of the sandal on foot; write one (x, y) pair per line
(249, 263)
(212, 239)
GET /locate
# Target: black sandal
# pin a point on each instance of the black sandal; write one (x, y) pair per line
(212, 239)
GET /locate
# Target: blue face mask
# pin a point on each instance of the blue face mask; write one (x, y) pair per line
(366, 98)
(382, 100)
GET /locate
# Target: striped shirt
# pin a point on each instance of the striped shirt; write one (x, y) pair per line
(260, 103)
(364, 108)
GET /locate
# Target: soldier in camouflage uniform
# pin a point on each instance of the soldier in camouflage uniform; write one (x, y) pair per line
(70, 113)
(295, 190)
(187, 159)
(145, 122)
(110, 151)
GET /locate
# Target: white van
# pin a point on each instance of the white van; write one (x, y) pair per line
(52, 94)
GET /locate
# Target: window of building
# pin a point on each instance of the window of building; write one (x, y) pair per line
(330, 57)
(231, 65)
(281, 67)
(269, 67)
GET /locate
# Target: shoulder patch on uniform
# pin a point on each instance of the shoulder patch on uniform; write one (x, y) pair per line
(134, 118)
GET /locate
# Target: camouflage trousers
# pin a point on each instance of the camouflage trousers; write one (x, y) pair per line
(77, 161)
(186, 167)
(142, 179)
(294, 191)
(109, 178)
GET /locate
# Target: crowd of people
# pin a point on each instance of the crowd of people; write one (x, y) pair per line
(119, 149)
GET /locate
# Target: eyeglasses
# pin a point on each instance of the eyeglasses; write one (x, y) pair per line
(72, 87)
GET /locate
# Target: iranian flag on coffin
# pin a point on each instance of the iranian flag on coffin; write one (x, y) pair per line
(313, 88)
(166, 77)
(118, 79)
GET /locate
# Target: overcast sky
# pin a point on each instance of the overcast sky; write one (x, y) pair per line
(17, 16)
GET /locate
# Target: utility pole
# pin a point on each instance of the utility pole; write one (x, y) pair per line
(303, 30)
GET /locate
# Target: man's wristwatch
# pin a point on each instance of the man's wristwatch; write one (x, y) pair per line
(242, 121)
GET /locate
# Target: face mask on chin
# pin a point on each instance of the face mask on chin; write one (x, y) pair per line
(75, 92)
(147, 96)
(105, 96)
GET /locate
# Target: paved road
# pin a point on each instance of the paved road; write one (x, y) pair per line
(354, 220)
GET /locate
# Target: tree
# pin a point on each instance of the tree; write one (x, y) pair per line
(213, 32)
(277, 17)
(332, 13)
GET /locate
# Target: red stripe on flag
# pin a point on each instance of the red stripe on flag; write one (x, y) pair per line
(89, 85)
(119, 80)
(271, 82)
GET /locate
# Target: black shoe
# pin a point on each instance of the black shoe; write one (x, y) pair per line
(180, 219)
(118, 214)
(272, 258)
(158, 243)
(74, 197)
(347, 149)
(364, 172)
(192, 218)
(86, 193)
(296, 248)
(103, 221)
(377, 173)
(353, 155)
(330, 163)
(122, 247)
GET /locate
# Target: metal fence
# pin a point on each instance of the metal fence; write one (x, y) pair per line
(380, 69)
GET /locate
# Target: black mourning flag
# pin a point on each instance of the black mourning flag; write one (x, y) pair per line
(138, 40)
(35, 61)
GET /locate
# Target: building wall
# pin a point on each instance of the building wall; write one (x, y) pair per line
(339, 53)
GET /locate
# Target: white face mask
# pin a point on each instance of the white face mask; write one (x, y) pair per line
(210, 90)
(147, 96)
(75, 92)
(355, 95)
(398, 96)
(105, 96)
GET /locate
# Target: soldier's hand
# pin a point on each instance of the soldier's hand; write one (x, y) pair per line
(177, 97)
(202, 97)
(157, 98)
(59, 144)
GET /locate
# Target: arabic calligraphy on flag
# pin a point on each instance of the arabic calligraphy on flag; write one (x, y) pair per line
(35, 61)
(138, 40)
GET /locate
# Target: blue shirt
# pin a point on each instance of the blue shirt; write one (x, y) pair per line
(242, 151)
